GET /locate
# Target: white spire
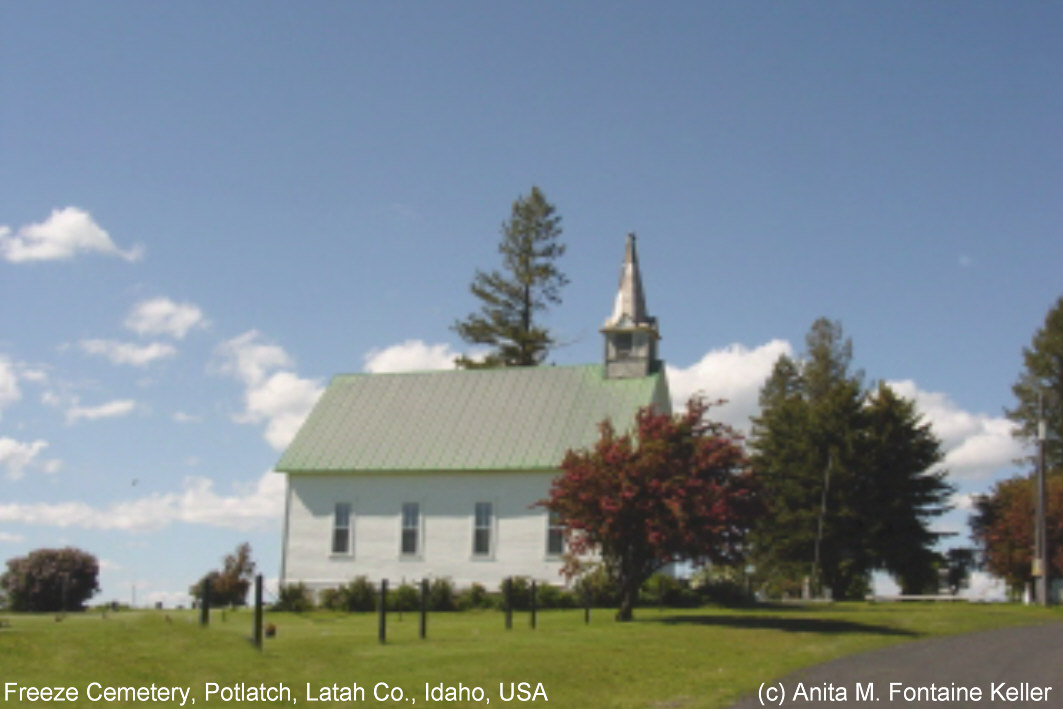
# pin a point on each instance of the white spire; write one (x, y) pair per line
(630, 332)
(629, 308)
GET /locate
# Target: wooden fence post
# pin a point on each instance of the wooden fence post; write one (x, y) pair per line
(258, 611)
(382, 632)
(204, 604)
(424, 608)
(534, 603)
(507, 594)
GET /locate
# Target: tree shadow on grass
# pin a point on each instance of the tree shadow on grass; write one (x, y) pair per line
(787, 624)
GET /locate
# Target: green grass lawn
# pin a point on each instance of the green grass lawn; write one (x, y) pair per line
(666, 658)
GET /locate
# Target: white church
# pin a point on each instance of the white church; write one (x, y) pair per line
(436, 474)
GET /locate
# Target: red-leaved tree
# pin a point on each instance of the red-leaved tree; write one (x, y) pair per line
(1003, 525)
(678, 489)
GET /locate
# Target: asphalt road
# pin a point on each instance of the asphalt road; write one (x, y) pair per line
(1009, 667)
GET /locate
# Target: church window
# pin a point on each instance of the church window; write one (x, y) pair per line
(555, 536)
(341, 529)
(481, 535)
(411, 528)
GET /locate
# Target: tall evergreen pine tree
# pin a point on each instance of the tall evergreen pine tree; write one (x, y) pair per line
(1042, 375)
(512, 298)
(846, 476)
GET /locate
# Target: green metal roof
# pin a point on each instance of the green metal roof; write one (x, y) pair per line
(492, 419)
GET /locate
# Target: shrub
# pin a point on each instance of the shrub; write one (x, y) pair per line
(294, 597)
(664, 590)
(357, 596)
(51, 580)
(405, 597)
(726, 593)
(519, 595)
(441, 595)
(475, 596)
(329, 598)
(600, 585)
(656, 589)
(549, 596)
(727, 586)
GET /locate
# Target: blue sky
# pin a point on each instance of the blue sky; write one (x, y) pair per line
(207, 210)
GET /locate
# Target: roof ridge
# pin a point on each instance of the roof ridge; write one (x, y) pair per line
(485, 370)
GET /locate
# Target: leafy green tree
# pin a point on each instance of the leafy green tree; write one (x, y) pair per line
(512, 298)
(678, 488)
(846, 476)
(49, 580)
(1042, 374)
(229, 586)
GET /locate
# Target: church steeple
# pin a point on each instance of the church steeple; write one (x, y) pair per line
(630, 332)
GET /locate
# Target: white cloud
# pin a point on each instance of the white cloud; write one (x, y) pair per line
(411, 355)
(11, 538)
(112, 409)
(182, 417)
(255, 505)
(37, 376)
(977, 446)
(63, 234)
(16, 457)
(963, 502)
(108, 565)
(9, 391)
(247, 358)
(127, 352)
(281, 399)
(985, 452)
(735, 373)
(162, 316)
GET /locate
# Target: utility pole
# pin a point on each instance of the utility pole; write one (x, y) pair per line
(1040, 562)
(819, 528)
